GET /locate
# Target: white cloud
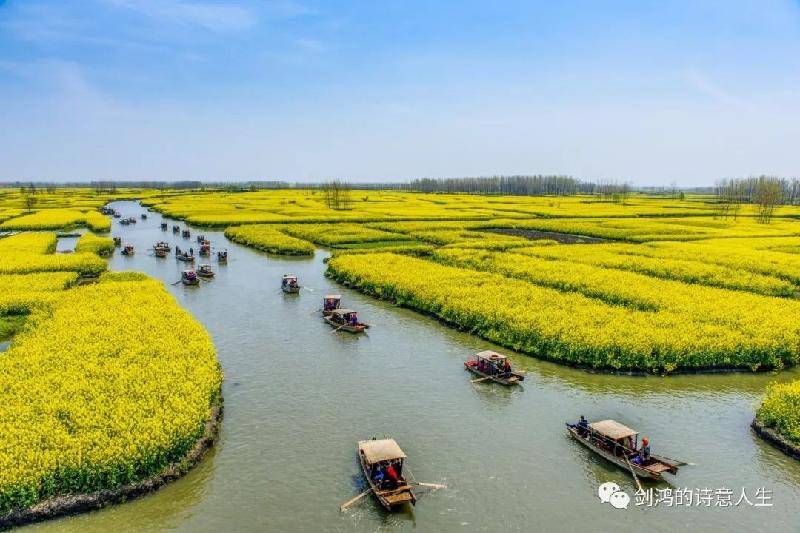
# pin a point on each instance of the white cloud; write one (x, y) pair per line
(215, 17)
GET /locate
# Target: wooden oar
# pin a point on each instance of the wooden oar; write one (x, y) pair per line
(630, 466)
(676, 461)
(428, 485)
(337, 329)
(351, 501)
(478, 380)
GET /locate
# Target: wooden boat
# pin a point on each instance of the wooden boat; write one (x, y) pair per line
(132, 220)
(124, 221)
(330, 303)
(205, 250)
(189, 277)
(160, 252)
(289, 284)
(163, 226)
(128, 250)
(162, 246)
(176, 229)
(201, 239)
(617, 443)
(117, 241)
(144, 216)
(185, 257)
(342, 319)
(375, 456)
(222, 257)
(186, 234)
(204, 271)
(490, 365)
(117, 215)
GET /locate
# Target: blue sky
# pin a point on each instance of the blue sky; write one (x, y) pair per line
(650, 92)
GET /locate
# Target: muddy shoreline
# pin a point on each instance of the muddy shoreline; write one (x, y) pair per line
(72, 504)
(776, 439)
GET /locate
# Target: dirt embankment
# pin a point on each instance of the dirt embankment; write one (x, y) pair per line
(563, 238)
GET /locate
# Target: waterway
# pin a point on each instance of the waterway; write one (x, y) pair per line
(298, 397)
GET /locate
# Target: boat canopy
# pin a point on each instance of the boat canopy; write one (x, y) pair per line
(289, 276)
(490, 355)
(376, 451)
(333, 296)
(612, 429)
(342, 311)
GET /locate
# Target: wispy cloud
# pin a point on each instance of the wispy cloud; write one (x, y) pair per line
(703, 84)
(215, 17)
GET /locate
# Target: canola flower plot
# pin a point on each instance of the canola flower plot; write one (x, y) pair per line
(654, 229)
(689, 269)
(341, 234)
(47, 219)
(780, 410)
(146, 374)
(32, 252)
(758, 332)
(89, 242)
(269, 238)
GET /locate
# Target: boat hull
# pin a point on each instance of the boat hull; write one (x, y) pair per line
(290, 290)
(640, 471)
(358, 328)
(513, 380)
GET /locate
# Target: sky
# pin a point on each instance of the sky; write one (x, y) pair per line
(639, 91)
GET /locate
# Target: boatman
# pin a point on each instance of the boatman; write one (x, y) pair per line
(644, 452)
(583, 426)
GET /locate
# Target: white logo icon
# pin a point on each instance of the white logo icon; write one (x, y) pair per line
(609, 492)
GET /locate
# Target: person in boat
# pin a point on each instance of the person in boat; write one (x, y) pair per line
(506, 369)
(392, 477)
(644, 452)
(379, 475)
(353, 319)
(191, 251)
(582, 426)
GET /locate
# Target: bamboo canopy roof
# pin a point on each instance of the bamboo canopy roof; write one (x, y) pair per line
(612, 429)
(333, 296)
(490, 355)
(376, 451)
(343, 311)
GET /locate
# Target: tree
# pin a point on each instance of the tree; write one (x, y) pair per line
(767, 194)
(30, 201)
(337, 195)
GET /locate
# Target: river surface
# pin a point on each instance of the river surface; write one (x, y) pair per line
(298, 397)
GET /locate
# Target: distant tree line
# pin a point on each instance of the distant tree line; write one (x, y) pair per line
(517, 185)
(765, 192)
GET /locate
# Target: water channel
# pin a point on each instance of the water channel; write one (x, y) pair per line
(298, 397)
